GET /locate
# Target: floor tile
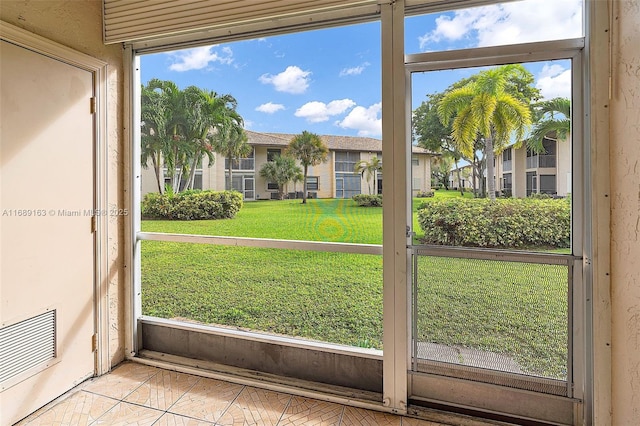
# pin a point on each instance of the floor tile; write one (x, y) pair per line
(255, 407)
(207, 400)
(408, 421)
(303, 411)
(161, 390)
(125, 414)
(359, 417)
(80, 408)
(174, 420)
(122, 380)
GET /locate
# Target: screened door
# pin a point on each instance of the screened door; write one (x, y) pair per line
(493, 279)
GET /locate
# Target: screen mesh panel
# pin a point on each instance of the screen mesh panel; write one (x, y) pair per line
(473, 317)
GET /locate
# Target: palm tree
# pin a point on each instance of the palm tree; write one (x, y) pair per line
(206, 112)
(553, 116)
(309, 149)
(199, 119)
(485, 109)
(230, 140)
(153, 131)
(281, 171)
(369, 170)
(297, 178)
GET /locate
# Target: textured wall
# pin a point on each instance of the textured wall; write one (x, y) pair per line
(625, 212)
(78, 25)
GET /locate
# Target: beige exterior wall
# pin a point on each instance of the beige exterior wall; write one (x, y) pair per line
(624, 159)
(77, 24)
(325, 173)
(421, 174)
(563, 168)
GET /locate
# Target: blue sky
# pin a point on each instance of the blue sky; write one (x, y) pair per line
(328, 81)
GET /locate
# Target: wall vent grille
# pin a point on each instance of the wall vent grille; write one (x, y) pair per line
(27, 344)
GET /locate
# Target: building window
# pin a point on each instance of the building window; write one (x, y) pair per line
(548, 157)
(415, 161)
(272, 186)
(272, 154)
(507, 185)
(347, 185)
(346, 161)
(548, 184)
(313, 183)
(246, 163)
(532, 159)
(506, 159)
(532, 183)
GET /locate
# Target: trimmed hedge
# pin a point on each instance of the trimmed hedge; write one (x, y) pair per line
(366, 200)
(424, 194)
(192, 205)
(503, 223)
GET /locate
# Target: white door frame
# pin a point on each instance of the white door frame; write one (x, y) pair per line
(98, 69)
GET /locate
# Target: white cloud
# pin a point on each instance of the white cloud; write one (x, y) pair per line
(554, 81)
(291, 80)
(316, 112)
(270, 108)
(355, 70)
(199, 58)
(367, 121)
(509, 23)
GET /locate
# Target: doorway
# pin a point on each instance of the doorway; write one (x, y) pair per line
(48, 225)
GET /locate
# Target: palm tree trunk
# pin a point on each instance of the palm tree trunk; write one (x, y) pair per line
(455, 159)
(230, 183)
(375, 182)
(304, 186)
(156, 169)
(192, 172)
(474, 169)
(490, 156)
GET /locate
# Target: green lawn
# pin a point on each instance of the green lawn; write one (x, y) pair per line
(337, 297)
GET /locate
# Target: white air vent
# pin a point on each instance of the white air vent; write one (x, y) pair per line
(26, 345)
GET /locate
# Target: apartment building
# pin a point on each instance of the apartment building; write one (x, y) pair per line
(334, 178)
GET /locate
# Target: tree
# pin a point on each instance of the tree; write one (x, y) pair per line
(153, 130)
(485, 109)
(281, 171)
(434, 136)
(441, 169)
(177, 129)
(297, 178)
(309, 149)
(230, 140)
(369, 170)
(552, 116)
(174, 153)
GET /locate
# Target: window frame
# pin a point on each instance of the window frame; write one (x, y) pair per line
(317, 183)
(395, 181)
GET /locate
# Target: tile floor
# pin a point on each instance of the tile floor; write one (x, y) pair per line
(136, 394)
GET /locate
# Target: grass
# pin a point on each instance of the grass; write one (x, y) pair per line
(337, 297)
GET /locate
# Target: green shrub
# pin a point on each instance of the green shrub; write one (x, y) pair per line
(503, 223)
(366, 200)
(156, 205)
(192, 205)
(424, 194)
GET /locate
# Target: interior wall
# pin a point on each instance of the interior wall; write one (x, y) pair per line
(625, 212)
(78, 25)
